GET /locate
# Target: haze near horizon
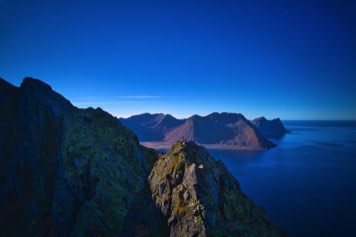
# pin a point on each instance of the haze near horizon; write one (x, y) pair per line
(293, 60)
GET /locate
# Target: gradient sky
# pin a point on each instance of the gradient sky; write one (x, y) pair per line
(288, 59)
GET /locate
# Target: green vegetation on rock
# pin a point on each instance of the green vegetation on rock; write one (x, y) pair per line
(66, 171)
(199, 197)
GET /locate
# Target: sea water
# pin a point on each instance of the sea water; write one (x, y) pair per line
(307, 184)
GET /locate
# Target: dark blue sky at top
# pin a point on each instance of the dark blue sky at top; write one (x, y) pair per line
(288, 59)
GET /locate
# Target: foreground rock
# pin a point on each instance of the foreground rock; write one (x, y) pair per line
(199, 197)
(270, 128)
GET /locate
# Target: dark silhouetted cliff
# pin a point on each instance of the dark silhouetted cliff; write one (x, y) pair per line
(64, 171)
(270, 128)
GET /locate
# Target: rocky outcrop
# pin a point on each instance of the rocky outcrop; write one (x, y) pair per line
(270, 128)
(199, 197)
(65, 171)
(216, 130)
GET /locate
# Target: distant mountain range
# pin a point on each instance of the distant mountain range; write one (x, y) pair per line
(66, 171)
(216, 130)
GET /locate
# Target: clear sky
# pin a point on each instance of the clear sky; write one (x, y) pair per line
(289, 59)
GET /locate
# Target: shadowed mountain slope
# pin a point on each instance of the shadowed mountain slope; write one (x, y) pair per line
(64, 171)
(270, 128)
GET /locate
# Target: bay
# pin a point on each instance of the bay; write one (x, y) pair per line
(307, 184)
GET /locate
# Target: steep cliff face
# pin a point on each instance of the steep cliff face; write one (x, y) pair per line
(63, 170)
(270, 128)
(199, 197)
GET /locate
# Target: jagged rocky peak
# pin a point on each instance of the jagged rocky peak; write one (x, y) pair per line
(199, 197)
(39, 89)
(270, 128)
(36, 92)
(35, 83)
(226, 117)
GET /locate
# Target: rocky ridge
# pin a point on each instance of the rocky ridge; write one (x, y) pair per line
(152, 127)
(199, 197)
(80, 172)
(64, 171)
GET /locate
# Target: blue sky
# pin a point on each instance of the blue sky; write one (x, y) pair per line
(288, 59)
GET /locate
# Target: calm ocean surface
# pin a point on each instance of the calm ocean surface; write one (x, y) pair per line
(307, 184)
